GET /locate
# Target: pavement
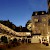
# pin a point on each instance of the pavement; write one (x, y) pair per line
(30, 46)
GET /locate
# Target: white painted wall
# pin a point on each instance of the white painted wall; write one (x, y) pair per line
(35, 39)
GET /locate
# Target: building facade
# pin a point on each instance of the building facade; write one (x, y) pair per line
(41, 23)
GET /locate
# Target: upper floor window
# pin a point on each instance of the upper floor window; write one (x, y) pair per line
(35, 13)
(36, 20)
(42, 12)
(43, 19)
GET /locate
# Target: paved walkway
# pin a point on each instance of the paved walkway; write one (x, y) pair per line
(31, 47)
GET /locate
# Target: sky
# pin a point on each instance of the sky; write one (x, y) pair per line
(20, 11)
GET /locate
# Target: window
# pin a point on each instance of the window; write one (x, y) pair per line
(42, 12)
(43, 19)
(36, 20)
(35, 13)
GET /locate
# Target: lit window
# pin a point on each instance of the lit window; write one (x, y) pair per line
(42, 12)
(28, 33)
(36, 20)
(35, 13)
(43, 19)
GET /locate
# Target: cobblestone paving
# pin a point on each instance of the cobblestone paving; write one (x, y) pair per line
(30, 47)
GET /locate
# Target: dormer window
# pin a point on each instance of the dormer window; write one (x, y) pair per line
(43, 19)
(35, 13)
(42, 12)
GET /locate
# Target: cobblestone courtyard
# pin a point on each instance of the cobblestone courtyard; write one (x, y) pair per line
(30, 47)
